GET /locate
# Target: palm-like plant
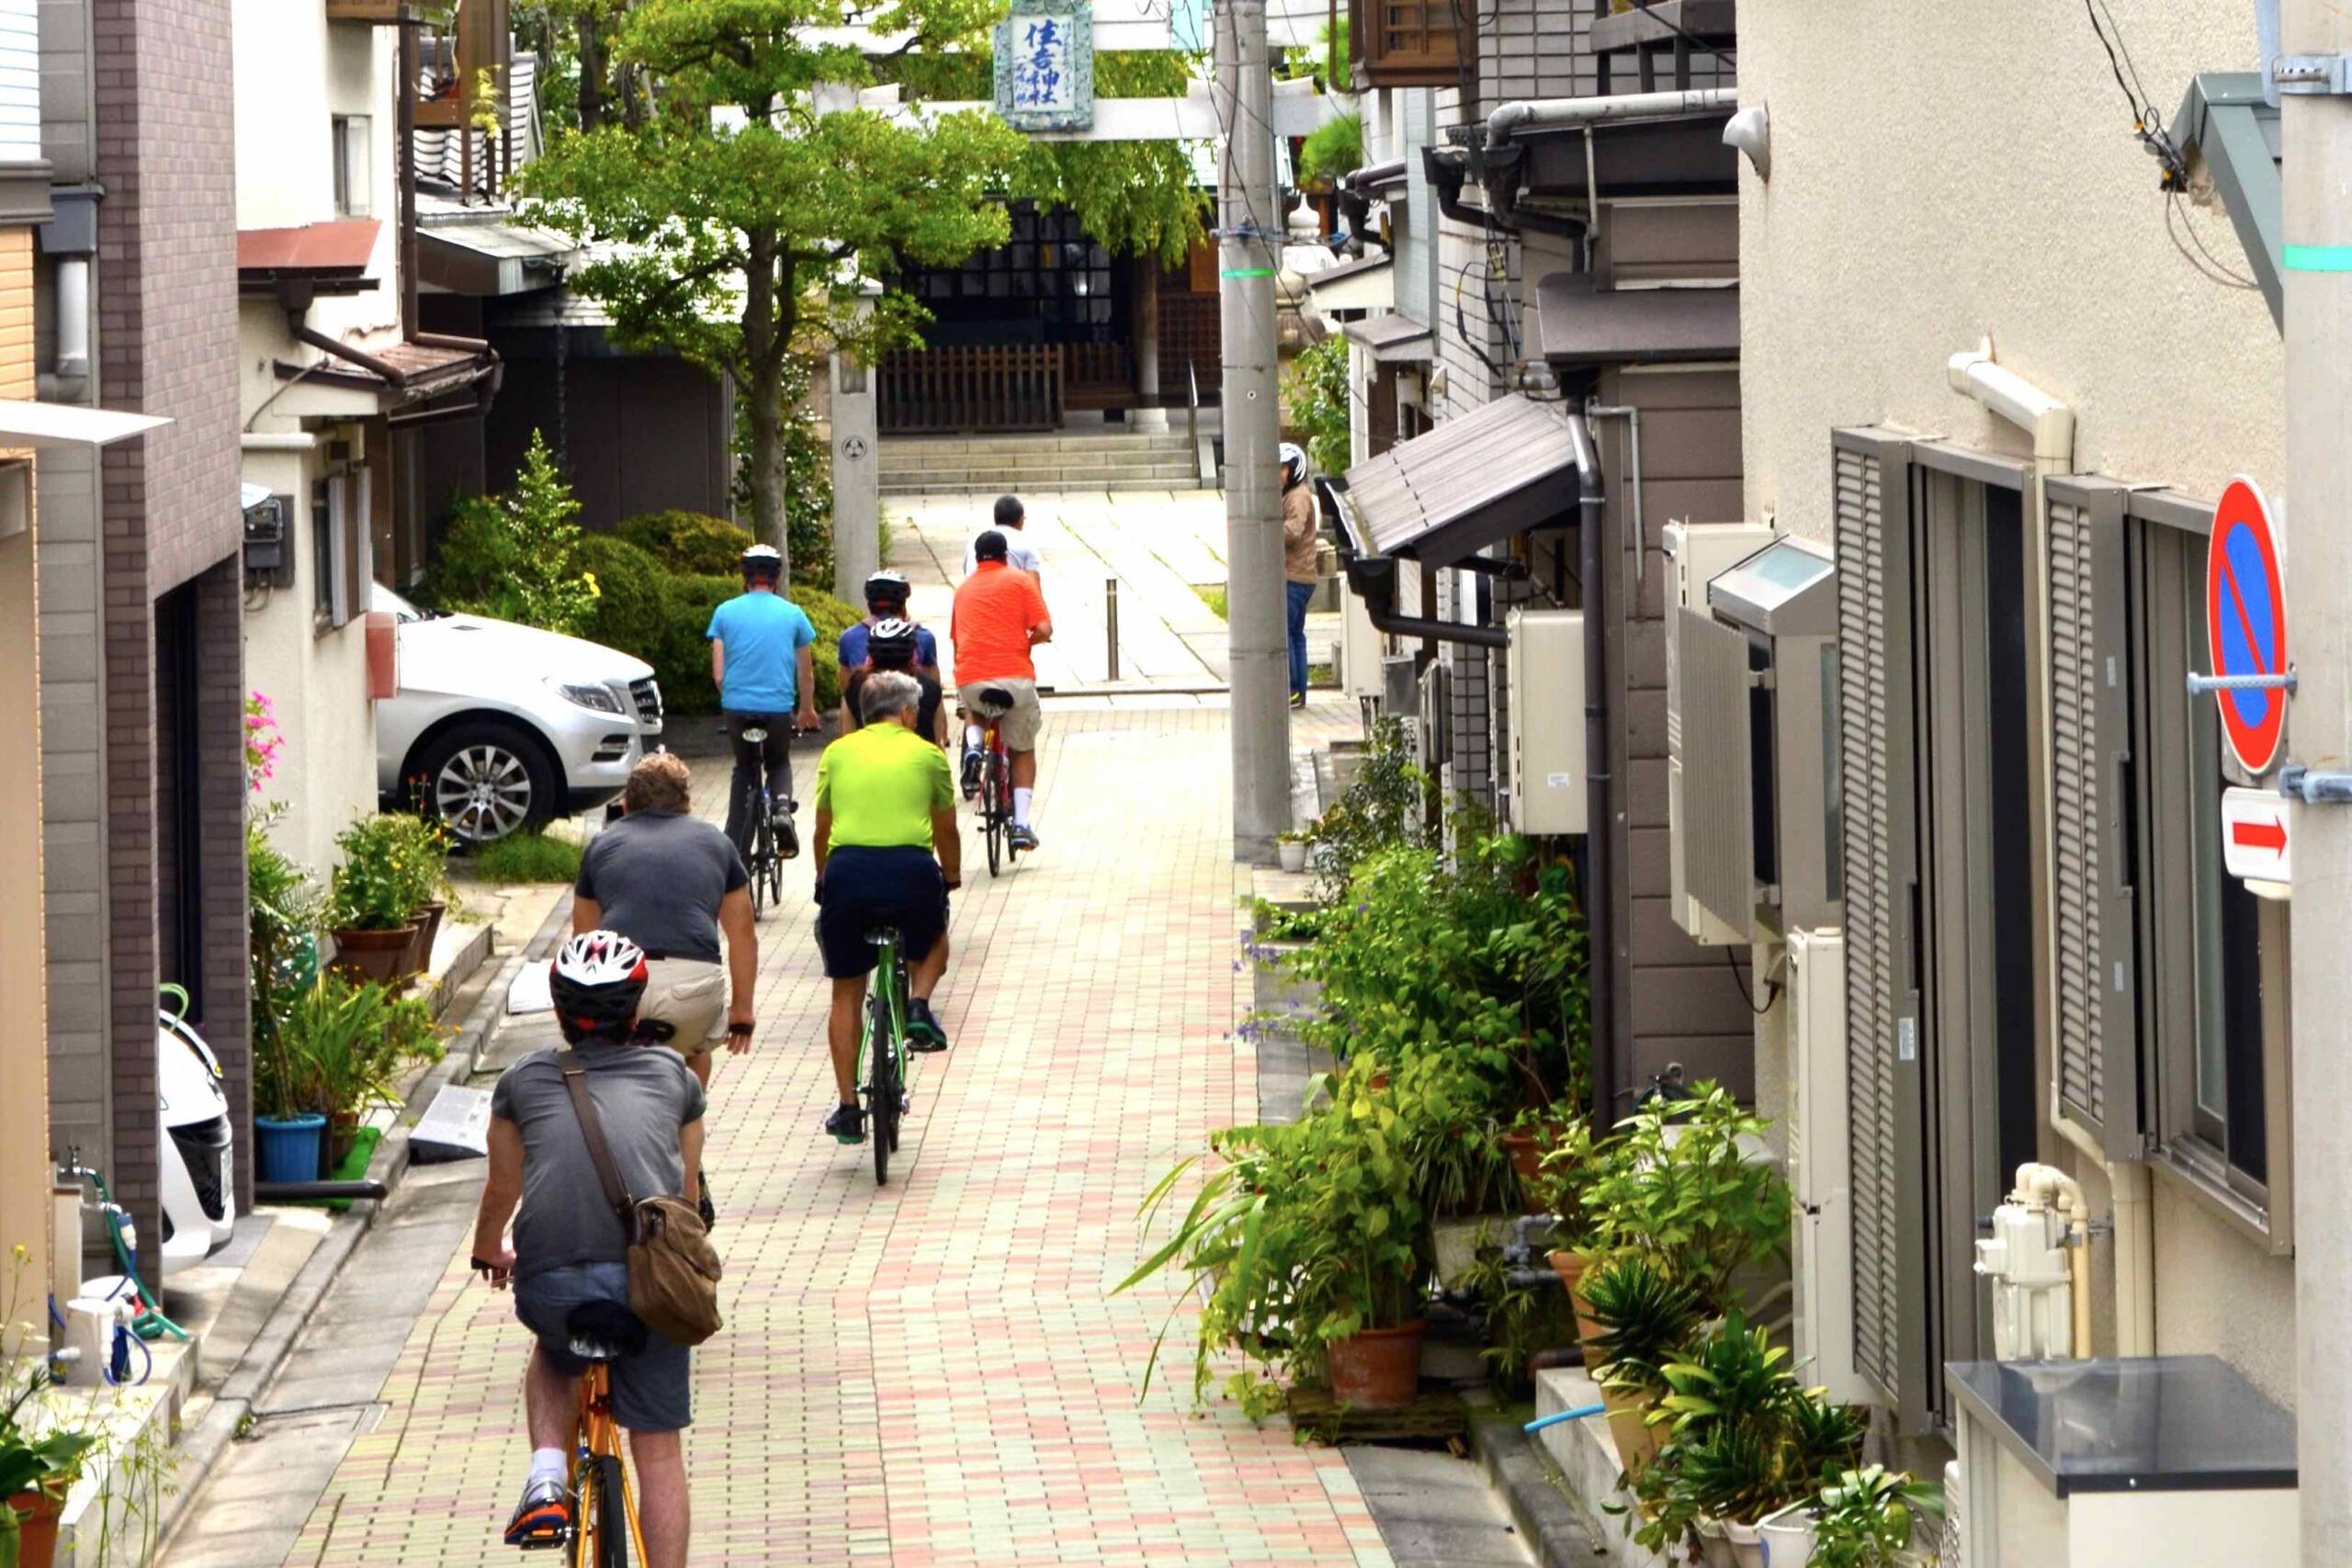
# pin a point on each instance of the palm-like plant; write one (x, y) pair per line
(1644, 1316)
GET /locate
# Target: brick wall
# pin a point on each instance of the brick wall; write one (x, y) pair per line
(167, 343)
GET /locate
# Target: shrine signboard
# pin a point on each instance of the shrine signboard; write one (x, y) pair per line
(1044, 66)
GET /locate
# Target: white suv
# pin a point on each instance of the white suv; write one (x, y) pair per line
(502, 726)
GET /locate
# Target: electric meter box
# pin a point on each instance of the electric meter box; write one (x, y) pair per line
(1546, 667)
(1759, 678)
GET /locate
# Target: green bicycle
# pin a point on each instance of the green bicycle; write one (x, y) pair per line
(882, 1049)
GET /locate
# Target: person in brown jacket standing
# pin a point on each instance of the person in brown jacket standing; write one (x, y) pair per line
(1299, 566)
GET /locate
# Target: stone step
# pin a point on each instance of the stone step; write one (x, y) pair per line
(933, 458)
(1011, 445)
(983, 476)
(940, 486)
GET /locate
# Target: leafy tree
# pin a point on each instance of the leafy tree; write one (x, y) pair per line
(1317, 397)
(515, 556)
(748, 226)
(1333, 149)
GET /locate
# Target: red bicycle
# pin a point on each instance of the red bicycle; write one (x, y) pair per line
(989, 705)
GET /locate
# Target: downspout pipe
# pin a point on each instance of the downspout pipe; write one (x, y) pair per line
(1372, 578)
(1599, 893)
(1554, 114)
(2019, 401)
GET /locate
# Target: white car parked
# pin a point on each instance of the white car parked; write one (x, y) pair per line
(504, 727)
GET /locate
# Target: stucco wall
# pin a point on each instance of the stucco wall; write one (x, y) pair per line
(1912, 210)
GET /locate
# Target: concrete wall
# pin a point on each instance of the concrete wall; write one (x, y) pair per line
(24, 1056)
(1906, 218)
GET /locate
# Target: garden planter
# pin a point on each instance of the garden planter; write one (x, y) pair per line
(290, 1146)
(1637, 1440)
(1453, 1244)
(381, 956)
(1527, 1151)
(1787, 1538)
(428, 926)
(1714, 1547)
(343, 1132)
(1379, 1369)
(1293, 855)
(37, 1516)
(1570, 1267)
(1747, 1544)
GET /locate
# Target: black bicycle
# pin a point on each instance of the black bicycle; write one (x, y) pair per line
(775, 836)
(989, 705)
(883, 1047)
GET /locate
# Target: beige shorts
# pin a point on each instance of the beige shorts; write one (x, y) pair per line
(690, 996)
(1018, 726)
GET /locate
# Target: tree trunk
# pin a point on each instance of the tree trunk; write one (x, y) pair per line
(592, 72)
(762, 383)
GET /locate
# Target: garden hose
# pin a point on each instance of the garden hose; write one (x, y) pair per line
(150, 1323)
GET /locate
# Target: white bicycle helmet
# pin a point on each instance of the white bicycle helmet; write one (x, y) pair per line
(597, 981)
(761, 561)
(892, 640)
(886, 587)
(1294, 461)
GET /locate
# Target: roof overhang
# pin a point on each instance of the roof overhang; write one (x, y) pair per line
(332, 258)
(1672, 155)
(2224, 123)
(1369, 284)
(32, 424)
(1392, 339)
(1474, 480)
(355, 382)
(1578, 323)
(486, 259)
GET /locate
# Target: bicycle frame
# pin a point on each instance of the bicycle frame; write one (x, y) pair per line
(886, 987)
(599, 1438)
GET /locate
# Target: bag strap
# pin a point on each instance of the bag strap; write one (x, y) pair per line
(575, 1078)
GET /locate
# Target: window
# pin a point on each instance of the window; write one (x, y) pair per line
(353, 154)
(2212, 954)
(342, 547)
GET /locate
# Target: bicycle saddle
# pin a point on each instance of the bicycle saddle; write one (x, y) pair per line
(877, 935)
(603, 1331)
(994, 698)
(754, 734)
(654, 1032)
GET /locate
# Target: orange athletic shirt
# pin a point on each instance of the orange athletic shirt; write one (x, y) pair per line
(995, 609)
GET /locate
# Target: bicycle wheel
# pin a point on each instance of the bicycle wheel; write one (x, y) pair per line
(882, 1081)
(1003, 767)
(993, 817)
(762, 853)
(600, 1524)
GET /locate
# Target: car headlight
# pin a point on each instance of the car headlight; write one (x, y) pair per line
(599, 698)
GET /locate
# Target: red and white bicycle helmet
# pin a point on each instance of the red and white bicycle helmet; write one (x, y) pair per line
(596, 982)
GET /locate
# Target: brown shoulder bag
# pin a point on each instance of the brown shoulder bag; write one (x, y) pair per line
(672, 1269)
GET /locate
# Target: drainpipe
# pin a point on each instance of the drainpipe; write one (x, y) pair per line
(1549, 113)
(1632, 418)
(1600, 816)
(2050, 423)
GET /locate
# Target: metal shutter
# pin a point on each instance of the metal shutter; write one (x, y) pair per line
(2095, 987)
(1872, 499)
(1718, 802)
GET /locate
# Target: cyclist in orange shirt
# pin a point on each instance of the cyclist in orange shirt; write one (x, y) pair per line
(999, 616)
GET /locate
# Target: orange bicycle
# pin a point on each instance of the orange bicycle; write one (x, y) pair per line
(605, 1528)
(987, 708)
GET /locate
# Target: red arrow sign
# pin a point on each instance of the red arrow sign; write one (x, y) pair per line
(2270, 835)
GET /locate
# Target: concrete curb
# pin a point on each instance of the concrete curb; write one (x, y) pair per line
(202, 1446)
(1551, 1524)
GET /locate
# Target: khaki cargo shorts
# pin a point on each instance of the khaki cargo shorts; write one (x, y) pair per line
(690, 996)
(1020, 726)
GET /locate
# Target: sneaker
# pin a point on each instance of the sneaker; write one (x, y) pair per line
(847, 1124)
(1024, 839)
(971, 771)
(1298, 699)
(788, 839)
(544, 1516)
(702, 1205)
(923, 1033)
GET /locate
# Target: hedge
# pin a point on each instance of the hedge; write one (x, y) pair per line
(660, 616)
(691, 543)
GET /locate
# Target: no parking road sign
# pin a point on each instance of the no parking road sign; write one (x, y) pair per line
(2245, 623)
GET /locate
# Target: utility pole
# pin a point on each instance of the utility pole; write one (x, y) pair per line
(1248, 236)
(2316, 225)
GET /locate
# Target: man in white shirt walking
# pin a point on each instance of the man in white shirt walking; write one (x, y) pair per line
(1012, 518)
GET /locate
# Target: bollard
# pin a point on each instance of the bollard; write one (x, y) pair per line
(1111, 623)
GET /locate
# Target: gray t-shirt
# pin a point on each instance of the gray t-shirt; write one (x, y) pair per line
(658, 876)
(644, 1095)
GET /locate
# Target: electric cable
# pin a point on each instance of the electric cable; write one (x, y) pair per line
(1772, 996)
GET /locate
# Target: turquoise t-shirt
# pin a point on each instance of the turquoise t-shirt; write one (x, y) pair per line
(763, 634)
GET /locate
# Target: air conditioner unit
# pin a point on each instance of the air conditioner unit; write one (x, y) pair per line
(1694, 552)
(1544, 668)
(1820, 1164)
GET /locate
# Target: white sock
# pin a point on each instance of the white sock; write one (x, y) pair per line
(971, 738)
(548, 1464)
(1021, 805)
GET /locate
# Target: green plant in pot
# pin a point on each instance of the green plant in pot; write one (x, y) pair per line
(347, 1041)
(45, 1439)
(1676, 1182)
(1633, 1317)
(374, 895)
(1861, 1519)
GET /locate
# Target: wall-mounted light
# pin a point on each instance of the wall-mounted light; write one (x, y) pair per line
(1750, 130)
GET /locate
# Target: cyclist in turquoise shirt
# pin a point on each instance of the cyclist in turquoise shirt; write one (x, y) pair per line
(761, 664)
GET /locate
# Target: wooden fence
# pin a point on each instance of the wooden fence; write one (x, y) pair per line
(946, 391)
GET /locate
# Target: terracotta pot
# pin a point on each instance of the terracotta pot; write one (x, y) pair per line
(1527, 1151)
(37, 1516)
(343, 1132)
(1587, 1329)
(376, 955)
(1637, 1440)
(428, 926)
(1379, 1369)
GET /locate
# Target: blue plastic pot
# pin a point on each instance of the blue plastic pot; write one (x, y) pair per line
(291, 1147)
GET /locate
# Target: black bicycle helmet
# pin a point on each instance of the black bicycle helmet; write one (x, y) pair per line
(885, 587)
(890, 644)
(597, 981)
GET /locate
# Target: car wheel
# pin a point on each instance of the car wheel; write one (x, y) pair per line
(488, 779)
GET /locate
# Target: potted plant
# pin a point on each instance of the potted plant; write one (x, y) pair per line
(1558, 1190)
(1632, 1319)
(42, 1448)
(1676, 1183)
(1862, 1518)
(346, 1041)
(421, 853)
(1291, 849)
(372, 899)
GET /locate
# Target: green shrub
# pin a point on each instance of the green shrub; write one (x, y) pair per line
(683, 665)
(518, 557)
(632, 610)
(527, 857)
(691, 543)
